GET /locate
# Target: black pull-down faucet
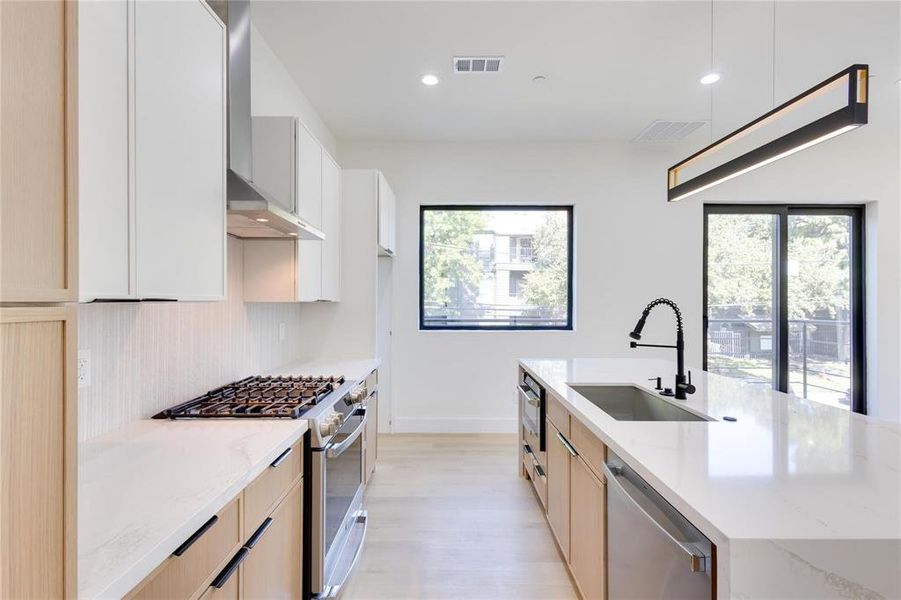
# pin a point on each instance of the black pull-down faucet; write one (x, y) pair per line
(683, 386)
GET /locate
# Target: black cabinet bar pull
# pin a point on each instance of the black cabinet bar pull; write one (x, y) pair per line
(258, 533)
(230, 568)
(195, 536)
(281, 457)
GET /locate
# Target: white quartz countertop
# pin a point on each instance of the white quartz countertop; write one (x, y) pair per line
(811, 479)
(147, 487)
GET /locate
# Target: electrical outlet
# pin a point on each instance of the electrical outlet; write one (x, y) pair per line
(84, 368)
(282, 332)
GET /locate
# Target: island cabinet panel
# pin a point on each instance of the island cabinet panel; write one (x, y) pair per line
(37, 452)
(589, 447)
(188, 575)
(558, 482)
(558, 415)
(588, 541)
(38, 150)
(273, 565)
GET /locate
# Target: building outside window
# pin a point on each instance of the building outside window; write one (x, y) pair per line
(496, 267)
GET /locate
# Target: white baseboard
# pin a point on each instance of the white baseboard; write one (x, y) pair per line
(453, 425)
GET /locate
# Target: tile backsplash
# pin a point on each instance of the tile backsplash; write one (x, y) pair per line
(145, 357)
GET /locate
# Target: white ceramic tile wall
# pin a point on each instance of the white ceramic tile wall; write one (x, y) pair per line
(148, 356)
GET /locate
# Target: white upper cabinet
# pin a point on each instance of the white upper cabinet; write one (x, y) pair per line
(153, 153)
(103, 156)
(291, 166)
(387, 218)
(309, 171)
(331, 223)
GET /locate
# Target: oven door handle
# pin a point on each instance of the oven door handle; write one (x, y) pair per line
(527, 396)
(334, 450)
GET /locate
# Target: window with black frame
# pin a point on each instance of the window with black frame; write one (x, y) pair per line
(784, 299)
(495, 267)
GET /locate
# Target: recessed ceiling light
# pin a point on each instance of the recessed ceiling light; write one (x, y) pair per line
(710, 78)
(262, 220)
(429, 79)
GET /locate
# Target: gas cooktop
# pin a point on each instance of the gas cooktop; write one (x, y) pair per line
(268, 397)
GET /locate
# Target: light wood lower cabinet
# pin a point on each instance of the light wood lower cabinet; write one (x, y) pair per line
(37, 452)
(588, 527)
(230, 591)
(253, 548)
(371, 440)
(558, 487)
(262, 496)
(272, 568)
(187, 574)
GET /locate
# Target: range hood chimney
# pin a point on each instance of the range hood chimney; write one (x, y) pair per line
(252, 213)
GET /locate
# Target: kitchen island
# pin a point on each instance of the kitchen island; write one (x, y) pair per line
(800, 499)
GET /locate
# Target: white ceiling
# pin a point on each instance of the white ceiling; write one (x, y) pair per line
(611, 67)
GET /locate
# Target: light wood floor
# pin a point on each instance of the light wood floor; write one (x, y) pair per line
(450, 518)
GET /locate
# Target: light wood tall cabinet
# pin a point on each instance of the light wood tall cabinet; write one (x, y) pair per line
(38, 272)
(38, 152)
(293, 168)
(153, 151)
(38, 453)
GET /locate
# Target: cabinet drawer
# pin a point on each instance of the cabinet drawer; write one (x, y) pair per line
(534, 443)
(525, 455)
(539, 481)
(229, 591)
(589, 447)
(558, 415)
(183, 576)
(261, 496)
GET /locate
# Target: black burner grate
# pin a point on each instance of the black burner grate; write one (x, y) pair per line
(285, 397)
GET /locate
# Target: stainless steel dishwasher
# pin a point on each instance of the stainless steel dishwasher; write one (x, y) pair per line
(653, 552)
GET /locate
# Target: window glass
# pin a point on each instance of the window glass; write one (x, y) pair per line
(491, 267)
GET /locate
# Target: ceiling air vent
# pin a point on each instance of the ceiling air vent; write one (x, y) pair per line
(478, 64)
(667, 131)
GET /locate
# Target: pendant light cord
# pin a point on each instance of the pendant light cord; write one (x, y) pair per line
(774, 53)
(710, 70)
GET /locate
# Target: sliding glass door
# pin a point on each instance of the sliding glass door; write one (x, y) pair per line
(783, 299)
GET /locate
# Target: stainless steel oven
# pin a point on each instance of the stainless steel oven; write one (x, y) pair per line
(533, 407)
(338, 521)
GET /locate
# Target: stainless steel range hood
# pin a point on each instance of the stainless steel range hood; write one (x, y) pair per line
(252, 213)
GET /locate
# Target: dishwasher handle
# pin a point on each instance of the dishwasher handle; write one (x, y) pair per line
(699, 561)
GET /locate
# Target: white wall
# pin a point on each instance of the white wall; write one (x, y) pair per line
(275, 94)
(631, 246)
(147, 356)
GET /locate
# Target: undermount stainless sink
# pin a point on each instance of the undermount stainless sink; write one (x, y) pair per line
(630, 403)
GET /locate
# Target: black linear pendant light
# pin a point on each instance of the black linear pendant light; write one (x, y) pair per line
(850, 116)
